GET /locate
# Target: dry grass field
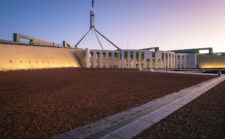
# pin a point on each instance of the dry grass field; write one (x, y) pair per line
(45, 103)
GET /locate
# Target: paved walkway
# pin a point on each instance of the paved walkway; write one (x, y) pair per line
(130, 123)
(191, 72)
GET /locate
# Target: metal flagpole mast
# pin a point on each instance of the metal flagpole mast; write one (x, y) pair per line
(92, 27)
(92, 24)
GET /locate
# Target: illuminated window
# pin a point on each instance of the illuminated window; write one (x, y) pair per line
(98, 54)
(153, 54)
(91, 54)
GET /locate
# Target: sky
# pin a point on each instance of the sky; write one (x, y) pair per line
(130, 24)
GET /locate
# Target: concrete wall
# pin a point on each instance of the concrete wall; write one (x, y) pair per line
(211, 61)
(16, 57)
(33, 41)
(192, 61)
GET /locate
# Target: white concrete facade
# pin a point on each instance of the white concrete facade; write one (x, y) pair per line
(182, 61)
(136, 59)
(192, 61)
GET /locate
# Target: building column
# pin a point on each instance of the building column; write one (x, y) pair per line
(185, 61)
(87, 58)
(175, 65)
(150, 59)
(113, 59)
(145, 61)
(107, 59)
(128, 59)
(101, 59)
(134, 60)
(122, 59)
(171, 60)
(95, 58)
(168, 61)
(176, 61)
(118, 60)
(139, 63)
(156, 61)
(181, 61)
(160, 60)
(165, 61)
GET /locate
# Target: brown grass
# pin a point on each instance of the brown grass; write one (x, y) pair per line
(44, 103)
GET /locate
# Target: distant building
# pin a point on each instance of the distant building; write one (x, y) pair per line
(38, 54)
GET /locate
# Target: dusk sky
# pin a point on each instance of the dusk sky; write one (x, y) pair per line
(131, 24)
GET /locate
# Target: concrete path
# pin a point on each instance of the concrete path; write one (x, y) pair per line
(132, 122)
(185, 72)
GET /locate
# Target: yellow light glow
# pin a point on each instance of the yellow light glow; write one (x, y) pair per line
(14, 57)
(212, 66)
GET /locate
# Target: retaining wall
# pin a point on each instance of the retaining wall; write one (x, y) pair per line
(19, 57)
(211, 61)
